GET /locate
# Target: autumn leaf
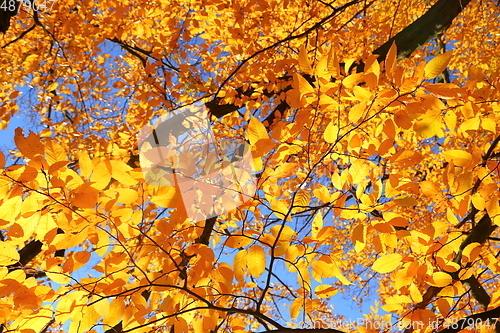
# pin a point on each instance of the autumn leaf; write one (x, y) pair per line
(8, 254)
(387, 263)
(256, 260)
(331, 133)
(437, 65)
(256, 131)
(29, 146)
(325, 291)
(304, 64)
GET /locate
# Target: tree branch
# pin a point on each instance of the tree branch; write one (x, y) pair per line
(434, 22)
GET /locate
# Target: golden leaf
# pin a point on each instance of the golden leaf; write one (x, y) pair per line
(437, 65)
(256, 260)
(387, 263)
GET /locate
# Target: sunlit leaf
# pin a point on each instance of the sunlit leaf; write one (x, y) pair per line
(8, 254)
(437, 65)
(387, 263)
(256, 260)
(325, 291)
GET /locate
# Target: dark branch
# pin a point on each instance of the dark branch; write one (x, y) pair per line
(433, 23)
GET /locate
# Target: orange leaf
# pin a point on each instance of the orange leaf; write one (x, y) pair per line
(29, 146)
(85, 196)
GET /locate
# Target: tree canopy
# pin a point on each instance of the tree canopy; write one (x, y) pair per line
(372, 134)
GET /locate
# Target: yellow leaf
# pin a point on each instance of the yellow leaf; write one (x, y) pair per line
(387, 263)
(440, 279)
(359, 170)
(87, 320)
(168, 197)
(10, 209)
(35, 322)
(415, 294)
(471, 252)
(100, 176)
(362, 94)
(451, 217)
(56, 274)
(317, 224)
(322, 268)
(256, 260)
(237, 241)
(45, 224)
(356, 112)
(8, 254)
(390, 60)
(445, 90)
(406, 158)
(304, 64)
(127, 195)
(429, 189)
(256, 131)
(352, 80)
(279, 206)
(471, 124)
(303, 85)
(296, 306)
(321, 69)
(121, 172)
(331, 132)
(333, 63)
(431, 125)
(54, 152)
(437, 65)
(302, 197)
(325, 291)
(489, 123)
(458, 157)
(53, 86)
(286, 233)
(478, 201)
(85, 165)
(240, 264)
(406, 201)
